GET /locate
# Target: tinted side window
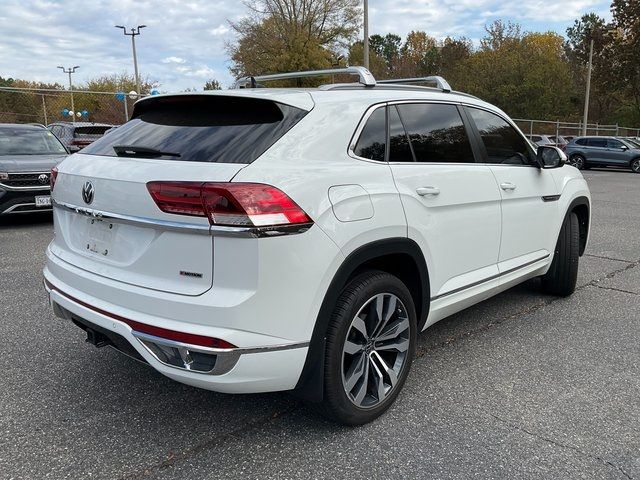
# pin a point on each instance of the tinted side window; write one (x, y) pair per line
(597, 142)
(581, 141)
(373, 138)
(399, 148)
(503, 143)
(612, 143)
(437, 133)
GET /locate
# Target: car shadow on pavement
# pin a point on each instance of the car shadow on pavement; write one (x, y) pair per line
(26, 220)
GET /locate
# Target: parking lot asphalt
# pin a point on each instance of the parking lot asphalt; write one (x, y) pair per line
(520, 386)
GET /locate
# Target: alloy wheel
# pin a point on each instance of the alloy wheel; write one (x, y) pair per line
(635, 166)
(375, 350)
(577, 162)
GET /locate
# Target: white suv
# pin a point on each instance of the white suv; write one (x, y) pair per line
(261, 239)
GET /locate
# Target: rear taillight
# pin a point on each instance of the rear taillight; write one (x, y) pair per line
(53, 177)
(229, 204)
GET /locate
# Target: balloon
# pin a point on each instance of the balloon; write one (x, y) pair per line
(65, 112)
(155, 92)
(120, 96)
(70, 112)
(85, 113)
(133, 94)
(78, 114)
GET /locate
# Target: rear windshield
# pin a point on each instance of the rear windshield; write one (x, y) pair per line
(92, 131)
(23, 141)
(200, 128)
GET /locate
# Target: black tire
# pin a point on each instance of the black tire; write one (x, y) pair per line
(578, 161)
(635, 165)
(562, 276)
(336, 404)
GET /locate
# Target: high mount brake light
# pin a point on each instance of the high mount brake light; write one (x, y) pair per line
(229, 204)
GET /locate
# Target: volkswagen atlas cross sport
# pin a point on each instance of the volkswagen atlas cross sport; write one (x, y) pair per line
(259, 239)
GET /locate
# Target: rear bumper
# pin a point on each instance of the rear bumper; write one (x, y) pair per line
(249, 369)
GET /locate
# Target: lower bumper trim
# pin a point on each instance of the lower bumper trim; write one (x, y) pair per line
(220, 360)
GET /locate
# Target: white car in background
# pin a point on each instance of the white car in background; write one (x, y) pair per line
(258, 239)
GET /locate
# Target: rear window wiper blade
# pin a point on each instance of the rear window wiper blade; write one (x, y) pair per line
(138, 151)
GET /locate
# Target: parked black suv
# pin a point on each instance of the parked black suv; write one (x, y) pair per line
(587, 152)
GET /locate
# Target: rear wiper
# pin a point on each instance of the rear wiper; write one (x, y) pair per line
(145, 152)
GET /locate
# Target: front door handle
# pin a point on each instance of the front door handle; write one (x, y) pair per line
(507, 186)
(424, 191)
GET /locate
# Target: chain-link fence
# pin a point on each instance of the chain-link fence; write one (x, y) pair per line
(546, 127)
(46, 106)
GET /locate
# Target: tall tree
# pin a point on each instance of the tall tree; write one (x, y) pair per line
(288, 35)
(454, 58)
(420, 55)
(579, 35)
(212, 84)
(626, 22)
(525, 74)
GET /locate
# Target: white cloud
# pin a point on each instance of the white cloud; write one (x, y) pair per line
(219, 30)
(173, 60)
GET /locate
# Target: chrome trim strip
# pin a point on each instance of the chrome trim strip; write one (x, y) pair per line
(226, 358)
(488, 279)
(218, 351)
(4, 186)
(214, 230)
(11, 209)
(133, 220)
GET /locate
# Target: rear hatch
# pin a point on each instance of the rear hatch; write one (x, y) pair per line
(106, 220)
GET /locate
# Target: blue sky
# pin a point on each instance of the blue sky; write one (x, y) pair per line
(184, 42)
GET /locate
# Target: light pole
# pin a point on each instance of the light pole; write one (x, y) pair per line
(585, 118)
(366, 34)
(132, 34)
(71, 70)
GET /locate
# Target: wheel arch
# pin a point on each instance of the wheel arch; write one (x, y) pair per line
(582, 208)
(401, 257)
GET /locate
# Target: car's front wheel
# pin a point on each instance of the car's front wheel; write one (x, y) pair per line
(578, 161)
(369, 349)
(635, 165)
(562, 276)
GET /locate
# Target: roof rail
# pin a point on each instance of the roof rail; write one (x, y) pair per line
(365, 76)
(440, 82)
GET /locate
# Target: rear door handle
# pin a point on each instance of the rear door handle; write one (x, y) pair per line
(424, 191)
(507, 186)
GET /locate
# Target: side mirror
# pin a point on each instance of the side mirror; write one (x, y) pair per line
(550, 157)
(624, 148)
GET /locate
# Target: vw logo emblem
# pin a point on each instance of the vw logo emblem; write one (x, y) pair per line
(87, 192)
(43, 179)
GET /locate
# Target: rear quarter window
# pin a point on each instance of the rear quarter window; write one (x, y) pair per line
(373, 138)
(202, 128)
